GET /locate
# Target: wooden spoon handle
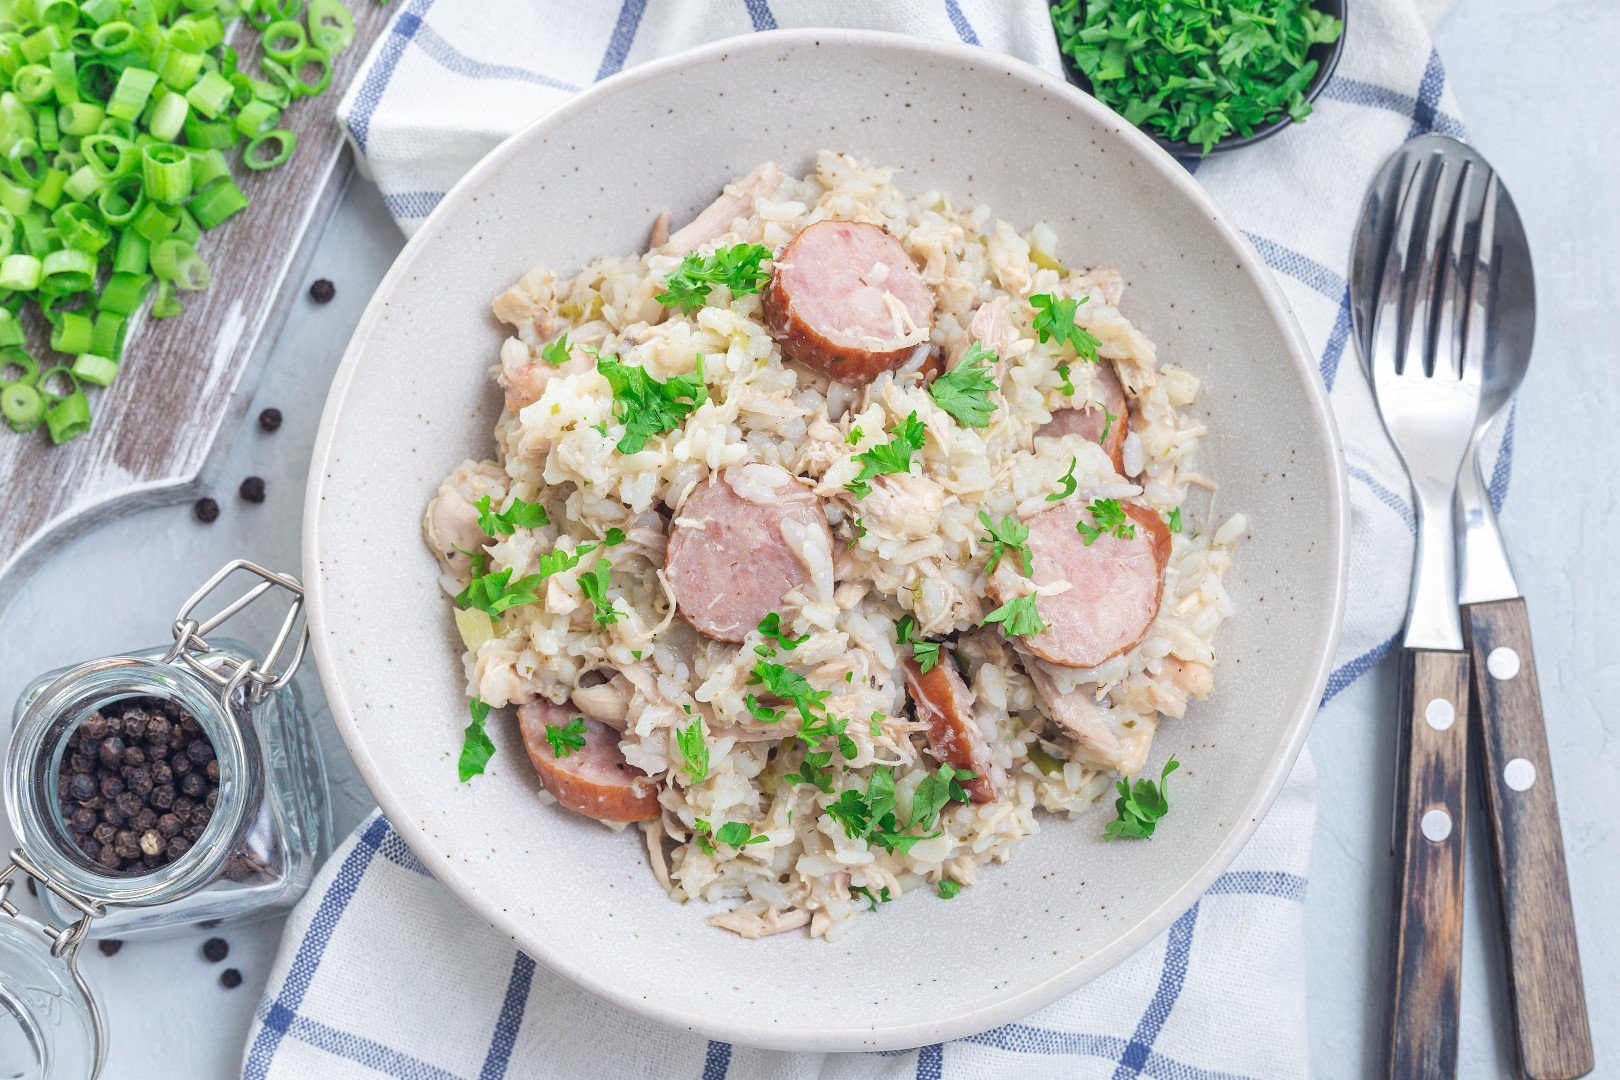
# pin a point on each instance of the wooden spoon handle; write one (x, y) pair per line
(1545, 992)
(1426, 930)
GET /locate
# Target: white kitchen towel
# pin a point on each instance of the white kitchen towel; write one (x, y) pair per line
(382, 972)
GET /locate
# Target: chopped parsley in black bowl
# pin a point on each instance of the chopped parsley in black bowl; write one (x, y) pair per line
(1202, 76)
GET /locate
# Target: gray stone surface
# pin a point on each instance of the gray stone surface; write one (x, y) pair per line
(1540, 89)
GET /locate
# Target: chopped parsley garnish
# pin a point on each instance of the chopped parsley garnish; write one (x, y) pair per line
(476, 749)
(559, 559)
(1141, 808)
(771, 627)
(695, 749)
(1197, 72)
(871, 815)
(556, 352)
(789, 685)
(1068, 485)
(1018, 617)
(735, 834)
(1054, 320)
(594, 584)
(860, 531)
(613, 537)
(1175, 520)
(866, 894)
(520, 515)
(647, 407)
(1065, 383)
(855, 436)
(1010, 535)
(964, 391)
(1108, 516)
(1108, 422)
(737, 268)
(948, 888)
(890, 457)
(496, 593)
(925, 653)
(567, 738)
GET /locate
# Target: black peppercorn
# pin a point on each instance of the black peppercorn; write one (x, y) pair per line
(110, 858)
(322, 291)
(180, 763)
(200, 750)
(93, 729)
(230, 978)
(270, 419)
(176, 847)
(135, 722)
(252, 489)
(81, 821)
(161, 773)
(157, 731)
(207, 511)
(134, 755)
(109, 947)
(112, 786)
(82, 786)
(211, 771)
(168, 825)
(111, 751)
(216, 949)
(163, 796)
(129, 804)
(192, 785)
(139, 780)
(105, 832)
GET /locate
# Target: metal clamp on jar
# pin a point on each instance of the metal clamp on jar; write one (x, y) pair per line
(250, 848)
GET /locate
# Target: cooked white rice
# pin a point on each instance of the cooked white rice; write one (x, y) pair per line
(921, 552)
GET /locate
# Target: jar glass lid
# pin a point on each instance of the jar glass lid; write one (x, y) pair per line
(49, 1028)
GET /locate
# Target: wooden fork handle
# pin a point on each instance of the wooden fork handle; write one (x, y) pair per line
(1545, 991)
(1426, 930)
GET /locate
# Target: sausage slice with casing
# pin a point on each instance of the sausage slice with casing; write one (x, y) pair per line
(594, 780)
(733, 547)
(847, 300)
(944, 702)
(1090, 419)
(1114, 584)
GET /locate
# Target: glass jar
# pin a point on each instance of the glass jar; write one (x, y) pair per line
(255, 855)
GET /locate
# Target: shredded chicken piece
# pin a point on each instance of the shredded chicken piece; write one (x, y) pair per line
(659, 236)
(735, 201)
(450, 525)
(1109, 738)
(754, 927)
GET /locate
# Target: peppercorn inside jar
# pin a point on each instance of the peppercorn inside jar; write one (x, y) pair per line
(168, 787)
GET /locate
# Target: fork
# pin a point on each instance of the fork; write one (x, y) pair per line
(1425, 361)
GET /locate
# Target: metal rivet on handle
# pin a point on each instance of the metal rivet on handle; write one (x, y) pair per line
(1502, 663)
(1519, 774)
(1436, 825)
(1440, 714)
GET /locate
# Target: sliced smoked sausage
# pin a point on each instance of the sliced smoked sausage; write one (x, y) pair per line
(594, 780)
(944, 702)
(1089, 420)
(733, 547)
(847, 300)
(1115, 584)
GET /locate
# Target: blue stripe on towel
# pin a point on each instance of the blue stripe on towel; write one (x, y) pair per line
(369, 96)
(716, 1060)
(624, 36)
(759, 13)
(412, 204)
(1385, 496)
(510, 1018)
(1171, 979)
(453, 59)
(964, 29)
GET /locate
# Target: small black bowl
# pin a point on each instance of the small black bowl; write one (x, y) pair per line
(1326, 57)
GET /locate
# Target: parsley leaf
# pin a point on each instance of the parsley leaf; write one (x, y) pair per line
(964, 391)
(695, 749)
(771, 627)
(1019, 617)
(567, 738)
(1175, 520)
(1054, 320)
(890, 457)
(520, 515)
(1010, 535)
(855, 436)
(736, 267)
(866, 894)
(935, 792)
(1140, 808)
(1065, 384)
(925, 653)
(594, 584)
(1069, 484)
(1108, 422)
(556, 353)
(738, 834)
(1109, 517)
(476, 749)
(559, 559)
(860, 531)
(496, 593)
(948, 888)
(613, 537)
(647, 407)
(789, 685)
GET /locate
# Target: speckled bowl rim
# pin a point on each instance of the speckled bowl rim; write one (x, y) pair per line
(878, 1036)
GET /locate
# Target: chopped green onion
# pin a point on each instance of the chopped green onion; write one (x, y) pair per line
(211, 94)
(64, 76)
(283, 40)
(72, 333)
(153, 223)
(331, 27)
(166, 172)
(68, 271)
(68, 418)
(178, 262)
(124, 293)
(120, 200)
(14, 198)
(165, 304)
(83, 185)
(222, 199)
(80, 228)
(112, 38)
(133, 255)
(209, 135)
(49, 192)
(168, 116)
(59, 377)
(270, 149)
(20, 273)
(22, 405)
(256, 118)
(12, 333)
(109, 156)
(312, 58)
(130, 97)
(206, 167)
(80, 118)
(107, 339)
(32, 83)
(25, 164)
(181, 70)
(98, 370)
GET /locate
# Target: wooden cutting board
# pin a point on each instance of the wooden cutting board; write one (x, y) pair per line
(185, 380)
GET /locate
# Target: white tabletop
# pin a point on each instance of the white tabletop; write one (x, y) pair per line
(1538, 88)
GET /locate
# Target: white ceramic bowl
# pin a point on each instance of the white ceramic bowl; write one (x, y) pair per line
(412, 400)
